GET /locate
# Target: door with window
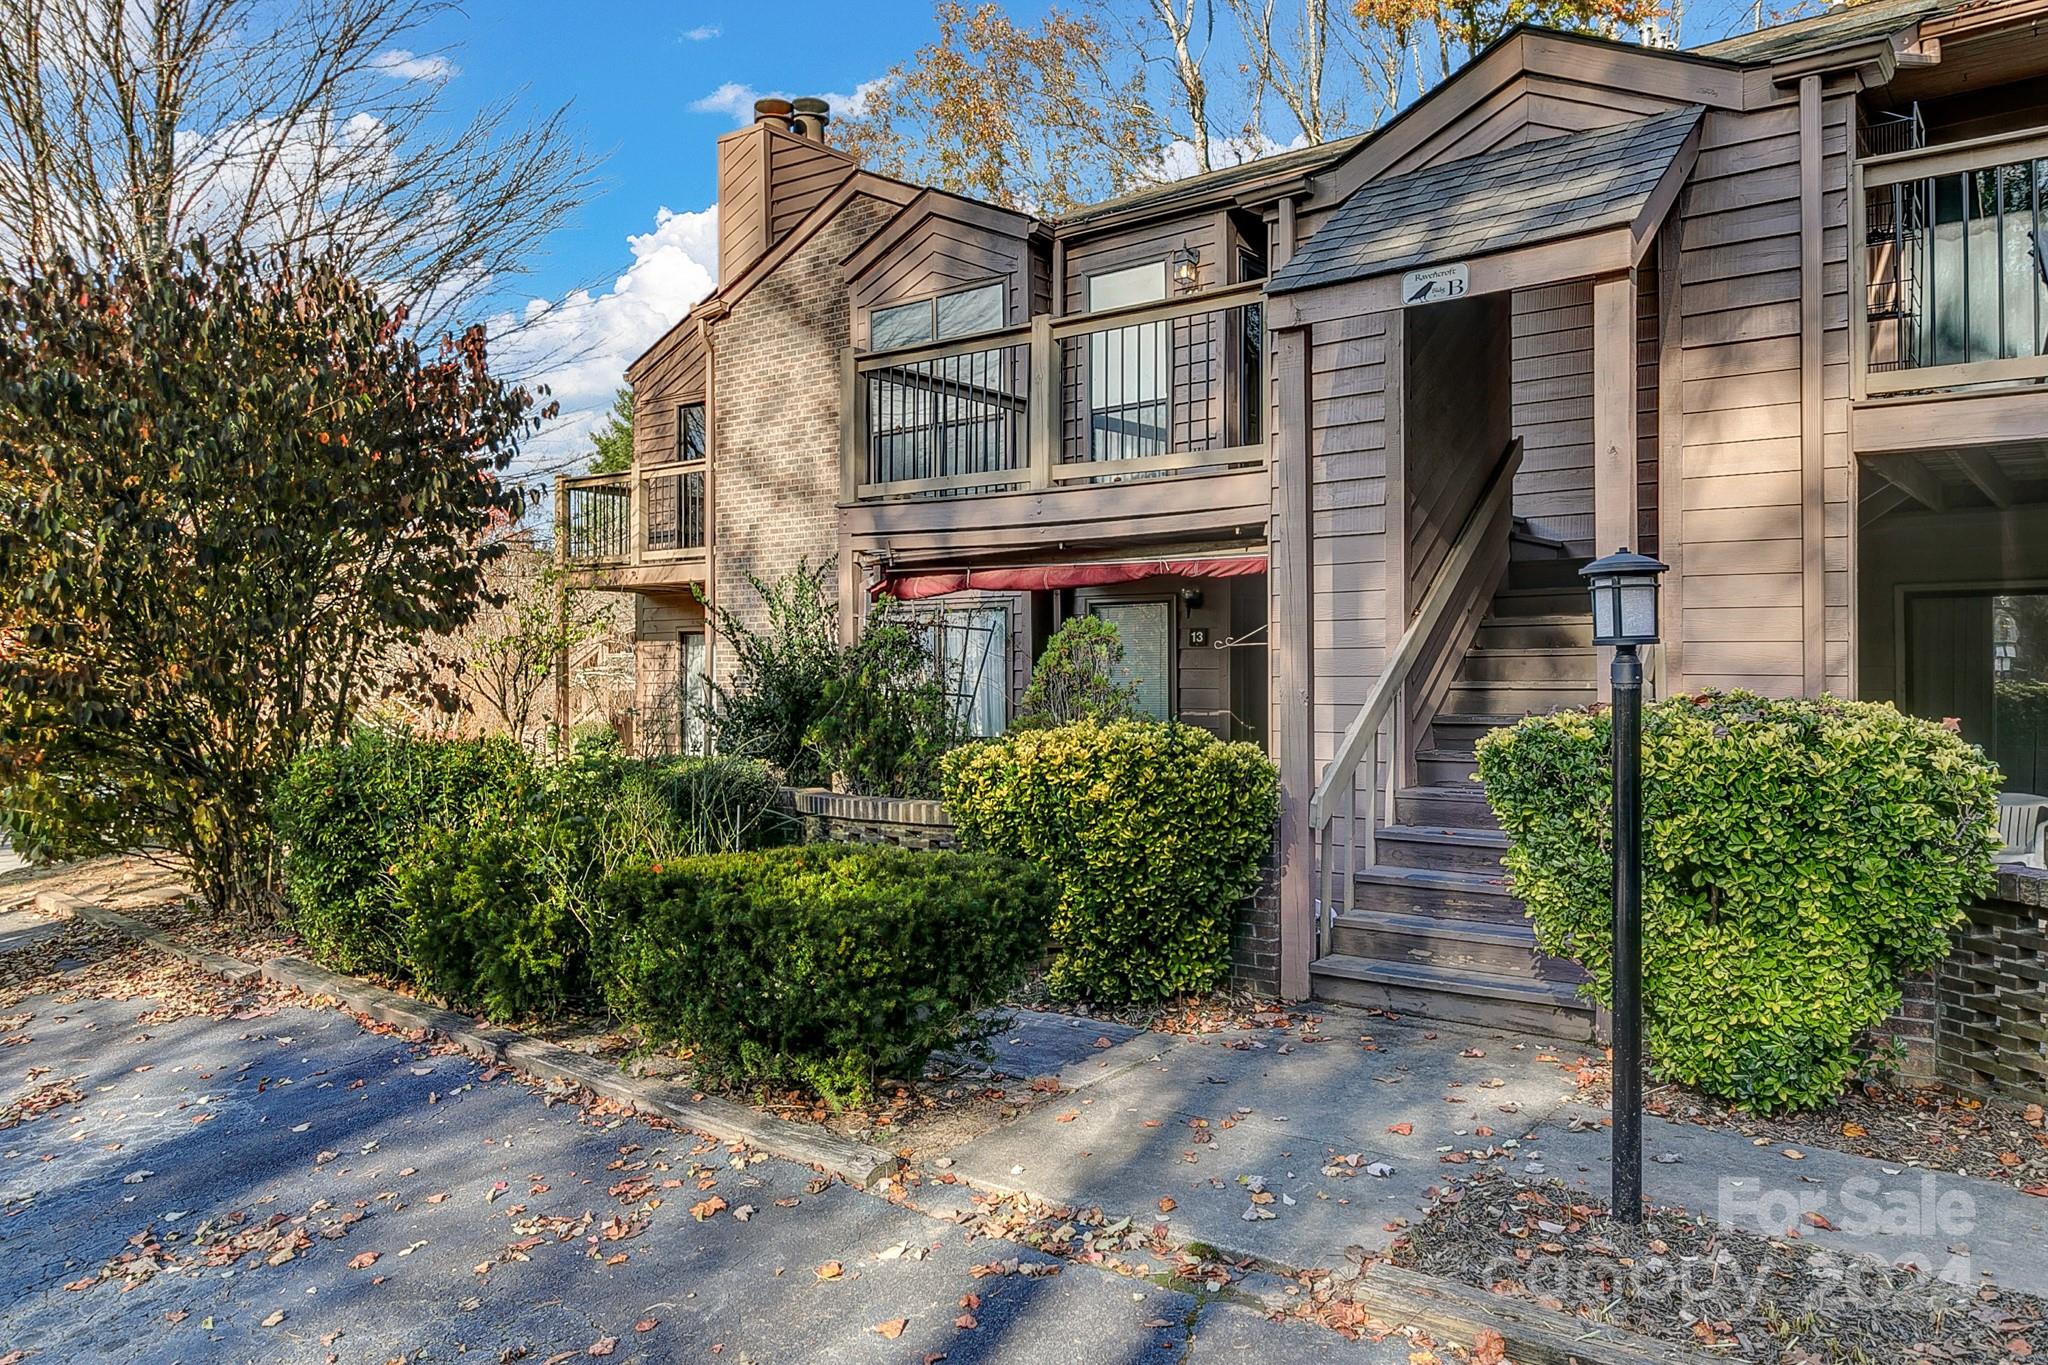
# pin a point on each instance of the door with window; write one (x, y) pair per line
(1145, 627)
(1981, 659)
(693, 691)
(1129, 368)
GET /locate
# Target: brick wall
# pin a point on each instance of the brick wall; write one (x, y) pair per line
(777, 417)
(835, 818)
(1255, 944)
(1991, 995)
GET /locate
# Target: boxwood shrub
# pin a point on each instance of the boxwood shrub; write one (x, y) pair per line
(346, 813)
(1154, 834)
(1799, 857)
(826, 967)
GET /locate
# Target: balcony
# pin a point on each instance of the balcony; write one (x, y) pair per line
(1145, 423)
(645, 529)
(1951, 271)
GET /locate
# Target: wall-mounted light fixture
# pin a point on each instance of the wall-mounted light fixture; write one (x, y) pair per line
(1187, 268)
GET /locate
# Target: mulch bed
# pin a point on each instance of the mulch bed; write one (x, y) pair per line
(1931, 1129)
(1689, 1281)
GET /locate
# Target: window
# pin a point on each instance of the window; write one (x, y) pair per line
(690, 431)
(1981, 659)
(694, 692)
(971, 645)
(1127, 368)
(1146, 630)
(958, 314)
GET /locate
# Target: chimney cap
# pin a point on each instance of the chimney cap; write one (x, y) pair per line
(771, 107)
(810, 104)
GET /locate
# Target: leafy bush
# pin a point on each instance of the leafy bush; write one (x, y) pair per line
(886, 720)
(1799, 856)
(779, 675)
(346, 814)
(490, 924)
(1153, 834)
(827, 967)
(1075, 678)
(664, 809)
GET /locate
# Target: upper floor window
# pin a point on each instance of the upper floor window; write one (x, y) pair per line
(690, 431)
(1144, 283)
(960, 313)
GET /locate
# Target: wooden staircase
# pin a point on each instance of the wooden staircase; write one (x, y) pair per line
(1431, 928)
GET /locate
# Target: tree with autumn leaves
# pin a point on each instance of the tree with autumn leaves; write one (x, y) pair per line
(1090, 103)
(229, 487)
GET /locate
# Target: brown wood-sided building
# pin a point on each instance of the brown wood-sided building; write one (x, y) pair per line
(1328, 435)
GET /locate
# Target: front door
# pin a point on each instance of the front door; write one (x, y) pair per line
(1146, 629)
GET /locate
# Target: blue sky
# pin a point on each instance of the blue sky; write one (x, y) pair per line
(644, 82)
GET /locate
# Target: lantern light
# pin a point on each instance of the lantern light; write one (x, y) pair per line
(1187, 268)
(1624, 590)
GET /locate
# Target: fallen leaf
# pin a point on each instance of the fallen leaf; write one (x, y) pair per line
(965, 1322)
(362, 1260)
(1854, 1130)
(274, 1319)
(1166, 1204)
(891, 1329)
(831, 1270)
(646, 1324)
(1401, 1129)
(603, 1346)
(1488, 1347)
(710, 1208)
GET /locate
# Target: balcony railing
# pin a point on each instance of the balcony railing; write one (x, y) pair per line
(1142, 392)
(1952, 284)
(631, 520)
(594, 517)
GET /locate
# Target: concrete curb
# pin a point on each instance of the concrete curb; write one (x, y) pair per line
(856, 1163)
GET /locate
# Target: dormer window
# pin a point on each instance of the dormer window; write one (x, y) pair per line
(690, 432)
(960, 313)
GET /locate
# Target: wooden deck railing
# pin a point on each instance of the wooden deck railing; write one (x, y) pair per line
(594, 518)
(1333, 807)
(1148, 391)
(651, 515)
(1950, 286)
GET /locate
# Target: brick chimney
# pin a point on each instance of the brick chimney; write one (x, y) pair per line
(769, 174)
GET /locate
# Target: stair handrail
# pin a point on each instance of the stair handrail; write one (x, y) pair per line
(1362, 734)
(1339, 783)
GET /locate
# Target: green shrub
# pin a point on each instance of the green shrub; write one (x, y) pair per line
(1153, 834)
(664, 809)
(346, 814)
(1075, 678)
(779, 675)
(826, 967)
(490, 921)
(1799, 856)
(886, 721)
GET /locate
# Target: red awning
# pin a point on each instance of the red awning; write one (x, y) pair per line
(1047, 577)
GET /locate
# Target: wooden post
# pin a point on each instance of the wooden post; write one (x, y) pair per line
(562, 607)
(1614, 426)
(1812, 440)
(1042, 407)
(1290, 617)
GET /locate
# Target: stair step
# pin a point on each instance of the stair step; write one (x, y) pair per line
(1560, 631)
(1445, 767)
(1551, 601)
(1440, 892)
(1456, 732)
(1539, 665)
(1521, 698)
(1542, 1007)
(1557, 572)
(1460, 807)
(1505, 948)
(1442, 849)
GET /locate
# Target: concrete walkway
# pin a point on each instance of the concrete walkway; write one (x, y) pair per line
(1206, 1122)
(275, 1184)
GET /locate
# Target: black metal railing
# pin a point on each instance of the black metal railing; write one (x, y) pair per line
(672, 513)
(1168, 387)
(946, 416)
(1955, 267)
(597, 521)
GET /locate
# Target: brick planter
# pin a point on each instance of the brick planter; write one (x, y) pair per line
(1991, 995)
(834, 817)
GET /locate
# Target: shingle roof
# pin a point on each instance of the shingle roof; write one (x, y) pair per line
(1536, 192)
(1296, 160)
(1836, 28)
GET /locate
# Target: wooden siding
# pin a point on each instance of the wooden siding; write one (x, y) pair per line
(941, 254)
(742, 200)
(1553, 410)
(1744, 511)
(1157, 241)
(674, 376)
(800, 174)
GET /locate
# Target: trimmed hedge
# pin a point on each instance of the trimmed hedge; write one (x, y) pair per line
(825, 967)
(1154, 834)
(1799, 857)
(347, 813)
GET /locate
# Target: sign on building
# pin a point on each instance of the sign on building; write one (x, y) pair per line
(1437, 284)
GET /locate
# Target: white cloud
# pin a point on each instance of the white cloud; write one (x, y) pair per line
(702, 33)
(1177, 161)
(403, 64)
(580, 346)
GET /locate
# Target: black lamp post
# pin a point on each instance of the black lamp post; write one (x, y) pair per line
(1624, 589)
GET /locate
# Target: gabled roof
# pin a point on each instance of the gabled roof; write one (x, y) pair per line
(1536, 192)
(1836, 28)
